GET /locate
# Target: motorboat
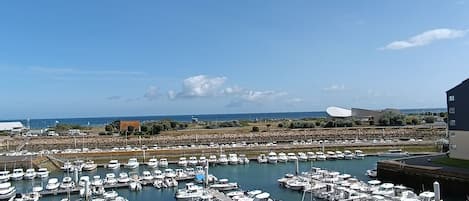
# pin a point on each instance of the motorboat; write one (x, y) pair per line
(292, 157)
(331, 155)
(132, 163)
(320, 156)
(385, 189)
(110, 179)
(110, 195)
(4, 176)
(42, 172)
(146, 176)
(182, 162)
(152, 163)
(223, 160)
(77, 165)
(97, 181)
(52, 184)
(359, 154)
(67, 166)
(30, 174)
(339, 155)
(7, 191)
(202, 160)
(394, 153)
(135, 185)
(302, 156)
(224, 185)
(192, 161)
(311, 156)
(182, 175)
(190, 192)
(157, 174)
(113, 164)
(282, 157)
(159, 179)
(89, 166)
(212, 159)
(163, 162)
(169, 173)
(17, 174)
(373, 173)
(262, 158)
(170, 181)
(31, 196)
(427, 196)
(83, 181)
(123, 178)
(242, 159)
(272, 157)
(348, 155)
(67, 183)
(232, 159)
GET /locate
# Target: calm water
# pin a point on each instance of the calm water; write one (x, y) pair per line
(98, 121)
(249, 177)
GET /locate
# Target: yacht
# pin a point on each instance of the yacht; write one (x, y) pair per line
(394, 153)
(190, 192)
(17, 174)
(77, 165)
(223, 160)
(192, 161)
(339, 155)
(52, 184)
(110, 179)
(42, 172)
(159, 179)
(123, 178)
(67, 183)
(30, 173)
(182, 162)
(331, 155)
(7, 191)
(272, 157)
(373, 173)
(83, 180)
(302, 156)
(320, 156)
(90, 165)
(292, 157)
(232, 159)
(170, 182)
(31, 196)
(146, 176)
(262, 159)
(169, 173)
(385, 189)
(113, 164)
(132, 163)
(212, 159)
(282, 157)
(67, 166)
(348, 155)
(427, 196)
(311, 156)
(163, 162)
(202, 160)
(153, 163)
(4, 176)
(242, 159)
(359, 154)
(224, 185)
(97, 181)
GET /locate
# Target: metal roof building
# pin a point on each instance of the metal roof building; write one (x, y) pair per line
(10, 126)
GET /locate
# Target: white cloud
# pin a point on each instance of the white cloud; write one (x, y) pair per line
(334, 87)
(426, 38)
(201, 86)
(260, 96)
(171, 94)
(151, 93)
(295, 100)
(232, 90)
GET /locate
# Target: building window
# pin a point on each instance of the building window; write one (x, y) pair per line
(452, 110)
(451, 98)
(452, 122)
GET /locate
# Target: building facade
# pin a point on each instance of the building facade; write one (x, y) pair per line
(458, 120)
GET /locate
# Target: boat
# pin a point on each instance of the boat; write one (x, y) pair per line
(348, 155)
(339, 155)
(192, 161)
(83, 181)
(52, 184)
(4, 176)
(242, 159)
(282, 157)
(159, 179)
(224, 185)
(31, 196)
(110, 179)
(302, 156)
(232, 159)
(320, 156)
(311, 156)
(110, 195)
(182, 162)
(359, 154)
(272, 157)
(67, 183)
(212, 159)
(163, 162)
(42, 172)
(394, 153)
(7, 191)
(77, 165)
(146, 176)
(132, 163)
(123, 178)
(90, 165)
(262, 158)
(169, 173)
(17, 174)
(30, 174)
(135, 185)
(97, 181)
(427, 196)
(152, 163)
(113, 164)
(292, 157)
(67, 167)
(190, 192)
(373, 173)
(223, 160)
(202, 160)
(385, 189)
(331, 155)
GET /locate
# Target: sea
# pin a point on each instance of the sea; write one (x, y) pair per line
(100, 121)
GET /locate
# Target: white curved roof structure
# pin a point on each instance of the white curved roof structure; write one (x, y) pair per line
(338, 112)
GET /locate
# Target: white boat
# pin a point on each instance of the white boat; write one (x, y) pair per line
(223, 160)
(159, 180)
(4, 176)
(146, 176)
(17, 174)
(385, 189)
(373, 173)
(331, 155)
(311, 156)
(163, 162)
(90, 165)
(320, 156)
(52, 184)
(7, 191)
(110, 179)
(394, 153)
(67, 166)
(190, 192)
(30, 173)
(262, 158)
(192, 161)
(348, 155)
(123, 178)
(113, 164)
(302, 156)
(212, 159)
(31, 196)
(42, 172)
(272, 157)
(359, 154)
(169, 173)
(135, 185)
(97, 181)
(339, 155)
(83, 180)
(292, 157)
(232, 159)
(182, 162)
(170, 182)
(282, 157)
(67, 183)
(224, 185)
(427, 196)
(152, 163)
(110, 195)
(202, 160)
(242, 159)
(132, 163)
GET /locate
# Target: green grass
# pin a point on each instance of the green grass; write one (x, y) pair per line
(452, 162)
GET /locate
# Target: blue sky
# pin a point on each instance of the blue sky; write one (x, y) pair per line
(112, 57)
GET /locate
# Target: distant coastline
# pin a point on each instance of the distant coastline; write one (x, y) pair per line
(100, 121)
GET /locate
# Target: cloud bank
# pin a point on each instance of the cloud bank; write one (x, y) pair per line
(426, 38)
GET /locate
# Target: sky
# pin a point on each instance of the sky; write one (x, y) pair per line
(129, 58)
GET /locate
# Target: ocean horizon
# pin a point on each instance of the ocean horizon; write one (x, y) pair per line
(100, 121)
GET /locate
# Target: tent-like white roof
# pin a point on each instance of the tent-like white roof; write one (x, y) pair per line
(338, 112)
(8, 126)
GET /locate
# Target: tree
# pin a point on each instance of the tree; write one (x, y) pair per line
(156, 129)
(173, 124)
(429, 119)
(255, 129)
(108, 128)
(144, 128)
(280, 125)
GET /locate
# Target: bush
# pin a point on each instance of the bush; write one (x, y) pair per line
(255, 129)
(429, 119)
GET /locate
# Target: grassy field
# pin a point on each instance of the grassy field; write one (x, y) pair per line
(452, 162)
